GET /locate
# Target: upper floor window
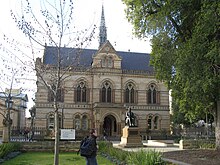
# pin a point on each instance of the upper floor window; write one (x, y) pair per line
(58, 94)
(107, 62)
(106, 93)
(152, 94)
(129, 93)
(81, 92)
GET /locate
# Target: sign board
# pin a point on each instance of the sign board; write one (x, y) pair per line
(68, 134)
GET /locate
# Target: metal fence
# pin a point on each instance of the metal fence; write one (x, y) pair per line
(40, 134)
(194, 132)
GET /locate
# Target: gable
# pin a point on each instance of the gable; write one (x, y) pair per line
(106, 57)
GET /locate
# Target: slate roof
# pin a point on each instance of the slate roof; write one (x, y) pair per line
(21, 96)
(130, 60)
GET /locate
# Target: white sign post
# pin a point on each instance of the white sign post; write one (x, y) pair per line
(67, 134)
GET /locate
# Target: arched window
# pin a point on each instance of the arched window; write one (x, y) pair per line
(106, 93)
(152, 94)
(81, 92)
(51, 121)
(129, 93)
(156, 122)
(84, 122)
(149, 122)
(107, 62)
(77, 122)
(110, 62)
(59, 94)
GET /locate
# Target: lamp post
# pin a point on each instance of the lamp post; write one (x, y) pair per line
(7, 121)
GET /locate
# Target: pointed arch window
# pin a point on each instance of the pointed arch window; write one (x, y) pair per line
(81, 92)
(152, 94)
(77, 122)
(149, 122)
(107, 62)
(106, 93)
(129, 93)
(59, 94)
(84, 122)
(156, 122)
(81, 122)
(51, 121)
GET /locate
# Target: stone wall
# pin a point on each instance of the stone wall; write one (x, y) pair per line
(67, 146)
(196, 143)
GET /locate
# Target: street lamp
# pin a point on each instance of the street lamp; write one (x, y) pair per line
(7, 121)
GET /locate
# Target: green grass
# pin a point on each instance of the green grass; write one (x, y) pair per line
(45, 158)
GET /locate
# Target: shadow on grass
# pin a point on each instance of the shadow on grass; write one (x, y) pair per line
(46, 158)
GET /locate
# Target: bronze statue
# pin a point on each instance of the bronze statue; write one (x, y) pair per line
(130, 118)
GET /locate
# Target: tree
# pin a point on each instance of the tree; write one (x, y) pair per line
(7, 95)
(185, 50)
(53, 26)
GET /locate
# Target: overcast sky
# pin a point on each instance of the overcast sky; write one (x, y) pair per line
(86, 13)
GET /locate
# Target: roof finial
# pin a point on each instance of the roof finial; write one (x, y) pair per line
(102, 29)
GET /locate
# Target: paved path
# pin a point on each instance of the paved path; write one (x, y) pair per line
(157, 147)
(147, 146)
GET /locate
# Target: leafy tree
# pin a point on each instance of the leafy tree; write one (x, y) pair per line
(185, 50)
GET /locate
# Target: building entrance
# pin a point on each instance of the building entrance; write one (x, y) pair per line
(109, 125)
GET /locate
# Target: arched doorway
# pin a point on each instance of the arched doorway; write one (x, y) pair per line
(110, 125)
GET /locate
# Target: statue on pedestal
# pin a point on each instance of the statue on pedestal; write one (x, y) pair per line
(130, 118)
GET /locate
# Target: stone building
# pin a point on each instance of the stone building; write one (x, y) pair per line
(101, 85)
(17, 111)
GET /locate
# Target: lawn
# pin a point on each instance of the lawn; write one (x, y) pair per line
(46, 158)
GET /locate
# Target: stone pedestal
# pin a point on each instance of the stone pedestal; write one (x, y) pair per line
(131, 137)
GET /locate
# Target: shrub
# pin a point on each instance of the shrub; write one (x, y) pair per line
(206, 144)
(116, 155)
(146, 157)
(149, 157)
(6, 148)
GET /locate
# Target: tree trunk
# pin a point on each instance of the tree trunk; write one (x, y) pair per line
(56, 145)
(217, 127)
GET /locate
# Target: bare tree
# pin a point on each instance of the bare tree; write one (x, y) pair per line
(52, 26)
(11, 106)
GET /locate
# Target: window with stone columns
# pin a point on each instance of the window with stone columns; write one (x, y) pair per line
(81, 122)
(59, 94)
(149, 121)
(77, 122)
(106, 92)
(153, 122)
(85, 122)
(81, 92)
(51, 121)
(130, 93)
(152, 94)
(156, 119)
(107, 62)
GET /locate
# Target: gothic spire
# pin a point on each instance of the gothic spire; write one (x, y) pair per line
(102, 29)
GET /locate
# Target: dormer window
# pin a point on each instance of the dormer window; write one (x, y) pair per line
(107, 62)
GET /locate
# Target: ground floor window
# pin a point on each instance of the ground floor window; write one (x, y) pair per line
(153, 122)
